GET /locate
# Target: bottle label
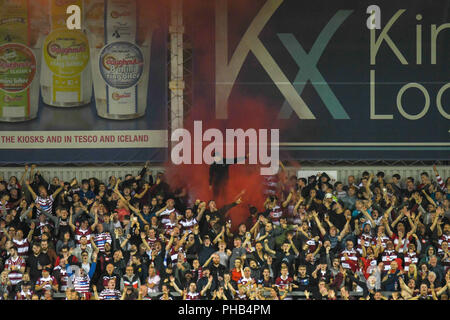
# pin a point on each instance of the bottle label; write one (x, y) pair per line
(120, 20)
(66, 54)
(121, 61)
(17, 72)
(121, 66)
(14, 24)
(17, 61)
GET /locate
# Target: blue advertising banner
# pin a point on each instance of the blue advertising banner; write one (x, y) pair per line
(125, 118)
(346, 79)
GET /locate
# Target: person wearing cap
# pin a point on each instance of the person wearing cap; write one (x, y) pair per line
(46, 281)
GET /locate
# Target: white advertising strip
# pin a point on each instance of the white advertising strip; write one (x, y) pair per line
(84, 139)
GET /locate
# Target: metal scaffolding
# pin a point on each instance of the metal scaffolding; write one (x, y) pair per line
(176, 66)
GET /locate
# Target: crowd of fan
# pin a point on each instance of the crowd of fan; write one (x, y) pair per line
(138, 239)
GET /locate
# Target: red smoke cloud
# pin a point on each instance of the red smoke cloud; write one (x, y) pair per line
(244, 110)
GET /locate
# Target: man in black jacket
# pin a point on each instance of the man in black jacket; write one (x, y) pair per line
(36, 262)
(219, 175)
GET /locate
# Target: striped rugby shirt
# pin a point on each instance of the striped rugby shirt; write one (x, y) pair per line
(80, 232)
(109, 294)
(22, 247)
(63, 278)
(387, 257)
(48, 286)
(45, 203)
(168, 225)
(410, 258)
(81, 284)
(192, 296)
(352, 261)
(188, 225)
(15, 276)
(101, 239)
(276, 214)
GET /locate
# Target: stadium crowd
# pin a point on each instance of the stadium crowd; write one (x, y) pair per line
(137, 239)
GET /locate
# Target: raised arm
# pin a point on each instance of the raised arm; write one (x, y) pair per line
(61, 187)
(208, 285)
(71, 225)
(125, 241)
(144, 241)
(429, 198)
(219, 236)
(33, 194)
(294, 247)
(400, 216)
(367, 186)
(174, 285)
(299, 202)
(438, 178)
(94, 225)
(138, 213)
(200, 213)
(319, 224)
(169, 244)
(26, 215)
(439, 210)
(387, 213)
(30, 234)
(388, 228)
(94, 246)
(140, 195)
(33, 166)
(345, 230)
(207, 261)
(157, 213)
(267, 248)
(369, 217)
(288, 199)
(22, 178)
(49, 216)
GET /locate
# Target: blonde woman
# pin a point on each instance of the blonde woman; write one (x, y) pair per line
(412, 272)
(5, 285)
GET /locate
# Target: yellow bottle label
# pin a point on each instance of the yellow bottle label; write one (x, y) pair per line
(66, 52)
(66, 89)
(14, 21)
